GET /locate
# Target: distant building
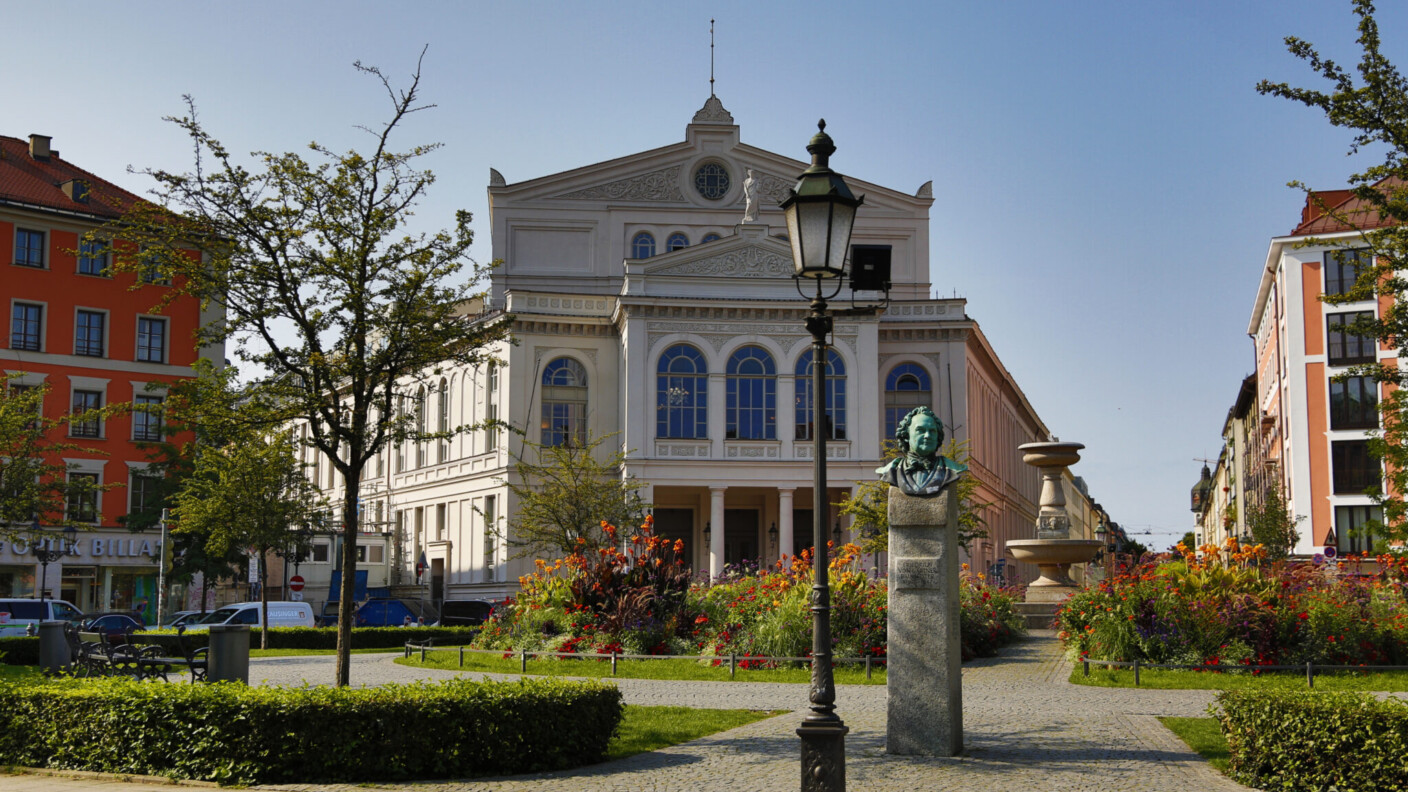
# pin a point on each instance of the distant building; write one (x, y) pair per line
(647, 310)
(1310, 432)
(95, 340)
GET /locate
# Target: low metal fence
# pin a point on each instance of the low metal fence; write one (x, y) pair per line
(1308, 668)
(733, 659)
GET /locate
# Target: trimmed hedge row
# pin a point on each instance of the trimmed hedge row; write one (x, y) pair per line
(1309, 740)
(24, 650)
(233, 734)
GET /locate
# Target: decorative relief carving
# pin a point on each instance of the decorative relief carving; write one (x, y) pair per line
(661, 185)
(747, 263)
(682, 449)
(832, 451)
(712, 112)
(774, 189)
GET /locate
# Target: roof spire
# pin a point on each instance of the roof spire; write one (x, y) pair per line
(711, 57)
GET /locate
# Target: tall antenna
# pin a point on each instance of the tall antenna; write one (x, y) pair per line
(711, 57)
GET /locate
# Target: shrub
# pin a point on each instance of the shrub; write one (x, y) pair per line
(235, 734)
(1309, 740)
(25, 650)
(20, 650)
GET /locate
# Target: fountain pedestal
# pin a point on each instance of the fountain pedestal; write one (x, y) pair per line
(1053, 551)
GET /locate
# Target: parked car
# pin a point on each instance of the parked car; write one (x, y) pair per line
(386, 612)
(115, 625)
(17, 615)
(465, 613)
(186, 617)
(281, 614)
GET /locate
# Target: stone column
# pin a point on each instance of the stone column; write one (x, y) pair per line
(924, 680)
(716, 537)
(785, 541)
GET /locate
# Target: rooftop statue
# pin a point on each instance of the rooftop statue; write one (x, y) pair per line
(920, 470)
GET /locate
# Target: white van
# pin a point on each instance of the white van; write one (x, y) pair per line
(16, 615)
(281, 614)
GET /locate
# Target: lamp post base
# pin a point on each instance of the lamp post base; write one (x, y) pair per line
(823, 756)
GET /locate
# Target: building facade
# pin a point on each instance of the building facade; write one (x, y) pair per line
(95, 339)
(647, 311)
(1312, 420)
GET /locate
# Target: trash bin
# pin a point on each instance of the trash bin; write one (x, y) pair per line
(229, 653)
(54, 654)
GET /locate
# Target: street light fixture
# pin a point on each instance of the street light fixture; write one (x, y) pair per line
(820, 212)
(48, 555)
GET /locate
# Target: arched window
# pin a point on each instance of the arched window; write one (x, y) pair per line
(677, 241)
(682, 386)
(906, 387)
(442, 423)
(835, 423)
(710, 237)
(420, 427)
(752, 395)
(643, 245)
(564, 403)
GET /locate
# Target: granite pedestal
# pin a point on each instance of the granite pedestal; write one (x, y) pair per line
(924, 681)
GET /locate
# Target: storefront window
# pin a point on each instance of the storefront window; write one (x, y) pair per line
(17, 581)
(133, 591)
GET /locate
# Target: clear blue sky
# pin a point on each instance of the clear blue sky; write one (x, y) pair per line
(1106, 177)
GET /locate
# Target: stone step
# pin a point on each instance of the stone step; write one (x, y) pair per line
(1038, 615)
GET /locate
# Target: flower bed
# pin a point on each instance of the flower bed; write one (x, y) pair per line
(641, 601)
(1227, 606)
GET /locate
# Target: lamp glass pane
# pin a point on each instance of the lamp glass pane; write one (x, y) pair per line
(842, 219)
(794, 238)
(814, 218)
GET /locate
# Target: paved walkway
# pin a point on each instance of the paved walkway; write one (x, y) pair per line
(1025, 727)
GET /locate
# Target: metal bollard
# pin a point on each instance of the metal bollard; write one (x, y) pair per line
(422, 653)
(523, 661)
(1309, 675)
(1085, 663)
(1136, 673)
(867, 666)
(613, 664)
(461, 657)
(732, 664)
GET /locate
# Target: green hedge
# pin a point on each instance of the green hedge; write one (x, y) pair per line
(20, 650)
(1352, 742)
(24, 650)
(235, 734)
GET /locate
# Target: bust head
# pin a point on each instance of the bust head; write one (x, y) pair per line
(919, 433)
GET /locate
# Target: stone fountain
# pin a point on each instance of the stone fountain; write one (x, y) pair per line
(1053, 550)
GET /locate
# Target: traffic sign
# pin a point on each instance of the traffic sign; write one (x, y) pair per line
(296, 596)
(295, 583)
(1331, 551)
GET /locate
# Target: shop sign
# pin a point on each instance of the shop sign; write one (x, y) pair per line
(93, 549)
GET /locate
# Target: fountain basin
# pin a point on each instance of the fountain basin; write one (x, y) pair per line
(1053, 454)
(1054, 558)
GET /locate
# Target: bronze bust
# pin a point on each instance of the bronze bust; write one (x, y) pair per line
(920, 470)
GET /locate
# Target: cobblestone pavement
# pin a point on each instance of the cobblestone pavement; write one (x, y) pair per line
(1025, 727)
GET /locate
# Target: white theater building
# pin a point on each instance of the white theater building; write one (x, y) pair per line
(644, 309)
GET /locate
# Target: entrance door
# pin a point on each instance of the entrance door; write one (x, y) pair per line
(740, 536)
(673, 524)
(437, 581)
(801, 530)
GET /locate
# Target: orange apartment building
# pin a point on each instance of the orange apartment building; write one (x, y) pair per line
(94, 340)
(1312, 432)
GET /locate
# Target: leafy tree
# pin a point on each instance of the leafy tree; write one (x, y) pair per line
(1272, 524)
(248, 494)
(869, 505)
(1189, 540)
(34, 481)
(1374, 106)
(565, 494)
(326, 291)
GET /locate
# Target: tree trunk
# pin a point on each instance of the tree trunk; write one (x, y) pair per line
(345, 615)
(263, 600)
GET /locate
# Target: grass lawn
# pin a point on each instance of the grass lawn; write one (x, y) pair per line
(651, 728)
(849, 674)
(1203, 736)
(1162, 679)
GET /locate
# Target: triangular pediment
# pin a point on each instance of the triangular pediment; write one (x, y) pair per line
(749, 253)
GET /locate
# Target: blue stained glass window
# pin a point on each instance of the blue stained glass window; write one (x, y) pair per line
(835, 412)
(564, 403)
(643, 245)
(676, 241)
(711, 180)
(752, 395)
(709, 238)
(906, 387)
(682, 388)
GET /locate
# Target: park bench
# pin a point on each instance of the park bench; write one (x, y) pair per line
(97, 655)
(158, 654)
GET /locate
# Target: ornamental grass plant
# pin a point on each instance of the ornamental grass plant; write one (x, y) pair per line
(1229, 606)
(635, 596)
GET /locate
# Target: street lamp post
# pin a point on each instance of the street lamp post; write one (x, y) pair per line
(48, 555)
(820, 212)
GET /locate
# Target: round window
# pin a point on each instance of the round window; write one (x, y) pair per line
(711, 180)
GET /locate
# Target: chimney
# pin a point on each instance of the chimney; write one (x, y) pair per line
(39, 146)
